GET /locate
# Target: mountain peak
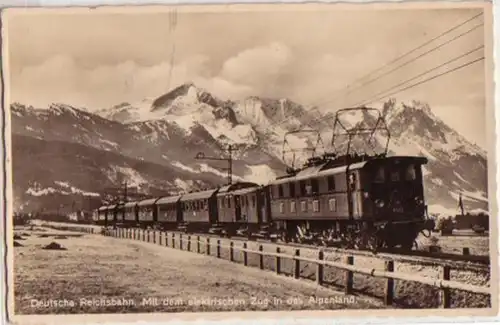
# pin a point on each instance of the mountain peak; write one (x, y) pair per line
(187, 89)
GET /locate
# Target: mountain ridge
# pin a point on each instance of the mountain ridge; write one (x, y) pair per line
(190, 120)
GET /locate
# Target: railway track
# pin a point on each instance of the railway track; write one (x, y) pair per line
(456, 261)
(424, 258)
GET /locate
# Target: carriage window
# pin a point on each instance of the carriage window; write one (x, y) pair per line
(331, 183)
(411, 173)
(332, 204)
(246, 201)
(316, 206)
(292, 206)
(352, 181)
(303, 206)
(280, 190)
(302, 185)
(314, 186)
(282, 207)
(380, 175)
(395, 176)
(253, 200)
(222, 202)
(291, 187)
(229, 202)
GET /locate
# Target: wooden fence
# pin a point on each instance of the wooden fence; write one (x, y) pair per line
(185, 242)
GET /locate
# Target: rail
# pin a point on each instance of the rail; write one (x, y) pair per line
(444, 284)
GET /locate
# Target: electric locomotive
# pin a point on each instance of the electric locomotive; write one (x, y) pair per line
(350, 200)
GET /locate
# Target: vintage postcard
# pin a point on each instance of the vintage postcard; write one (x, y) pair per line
(249, 161)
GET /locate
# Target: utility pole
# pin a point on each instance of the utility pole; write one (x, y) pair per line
(229, 158)
(125, 192)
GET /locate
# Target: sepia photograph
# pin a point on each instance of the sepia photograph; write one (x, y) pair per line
(191, 159)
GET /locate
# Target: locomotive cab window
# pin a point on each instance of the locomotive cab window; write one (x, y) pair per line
(411, 173)
(379, 175)
(395, 176)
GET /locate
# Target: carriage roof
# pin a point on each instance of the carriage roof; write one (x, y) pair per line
(323, 170)
(147, 202)
(168, 199)
(198, 195)
(130, 204)
(236, 187)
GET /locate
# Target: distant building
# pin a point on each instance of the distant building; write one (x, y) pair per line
(468, 221)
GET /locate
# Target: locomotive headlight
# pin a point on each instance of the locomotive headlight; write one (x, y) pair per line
(419, 201)
(379, 203)
(366, 195)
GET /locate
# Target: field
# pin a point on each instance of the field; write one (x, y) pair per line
(477, 244)
(98, 274)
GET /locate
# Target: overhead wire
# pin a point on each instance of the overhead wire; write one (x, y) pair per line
(432, 78)
(316, 105)
(360, 103)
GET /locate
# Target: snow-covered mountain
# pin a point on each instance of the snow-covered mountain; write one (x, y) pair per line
(155, 141)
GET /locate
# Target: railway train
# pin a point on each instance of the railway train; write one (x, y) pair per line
(352, 200)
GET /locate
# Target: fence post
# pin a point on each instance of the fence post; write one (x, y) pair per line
(319, 268)
(180, 241)
(149, 235)
(277, 264)
(231, 252)
(207, 247)
(445, 292)
(166, 239)
(245, 254)
(261, 257)
(349, 276)
(218, 248)
(198, 244)
(143, 234)
(389, 285)
(154, 236)
(173, 240)
(296, 272)
(189, 243)
(466, 251)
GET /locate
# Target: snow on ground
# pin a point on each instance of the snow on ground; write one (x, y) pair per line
(170, 275)
(184, 167)
(67, 189)
(186, 186)
(131, 175)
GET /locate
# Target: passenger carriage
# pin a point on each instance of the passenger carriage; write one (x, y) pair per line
(146, 213)
(130, 216)
(199, 210)
(168, 211)
(237, 207)
(101, 215)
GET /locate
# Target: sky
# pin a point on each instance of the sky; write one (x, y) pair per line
(98, 59)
